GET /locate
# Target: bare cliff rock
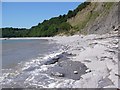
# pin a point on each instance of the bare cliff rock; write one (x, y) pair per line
(97, 18)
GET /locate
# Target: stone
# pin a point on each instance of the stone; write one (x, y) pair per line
(88, 61)
(57, 74)
(75, 72)
(87, 71)
(52, 61)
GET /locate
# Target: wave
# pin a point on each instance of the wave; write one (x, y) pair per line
(31, 73)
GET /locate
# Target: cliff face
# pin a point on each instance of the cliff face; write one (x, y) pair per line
(97, 18)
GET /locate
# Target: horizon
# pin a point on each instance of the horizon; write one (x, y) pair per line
(28, 14)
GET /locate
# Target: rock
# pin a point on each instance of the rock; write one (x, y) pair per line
(57, 74)
(116, 29)
(93, 43)
(68, 68)
(104, 82)
(115, 42)
(75, 72)
(52, 60)
(113, 27)
(30, 69)
(87, 61)
(87, 71)
(111, 51)
(117, 75)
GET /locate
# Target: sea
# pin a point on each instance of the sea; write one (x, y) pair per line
(21, 60)
(23, 50)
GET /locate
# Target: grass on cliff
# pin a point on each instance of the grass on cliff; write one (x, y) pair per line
(89, 17)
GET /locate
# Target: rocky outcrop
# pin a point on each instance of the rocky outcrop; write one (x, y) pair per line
(105, 23)
(97, 18)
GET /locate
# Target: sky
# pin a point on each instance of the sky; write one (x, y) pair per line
(28, 14)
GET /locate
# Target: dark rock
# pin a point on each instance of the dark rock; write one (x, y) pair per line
(52, 61)
(104, 57)
(111, 51)
(67, 67)
(104, 82)
(70, 54)
(116, 29)
(117, 75)
(113, 27)
(87, 61)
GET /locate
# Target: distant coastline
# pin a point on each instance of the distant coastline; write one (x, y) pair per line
(26, 38)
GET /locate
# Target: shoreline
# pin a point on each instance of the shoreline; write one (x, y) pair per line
(96, 53)
(26, 38)
(99, 53)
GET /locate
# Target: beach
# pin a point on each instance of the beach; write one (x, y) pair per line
(68, 45)
(99, 53)
(82, 61)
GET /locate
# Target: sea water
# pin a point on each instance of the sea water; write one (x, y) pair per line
(21, 61)
(22, 50)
